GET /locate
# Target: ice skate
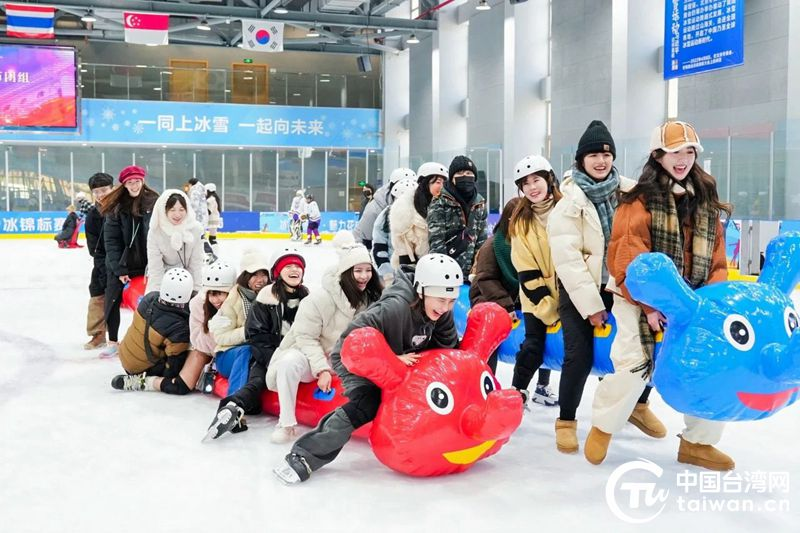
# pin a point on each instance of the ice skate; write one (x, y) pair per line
(229, 419)
(132, 382)
(545, 396)
(293, 470)
(318, 241)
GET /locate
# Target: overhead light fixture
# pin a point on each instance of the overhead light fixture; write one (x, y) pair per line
(151, 44)
(203, 25)
(312, 32)
(483, 5)
(247, 78)
(413, 39)
(89, 16)
(324, 80)
(295, 94)
(280, 10)
(166, 72)
(156, 88)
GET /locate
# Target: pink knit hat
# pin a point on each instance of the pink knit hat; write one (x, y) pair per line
(132, 173)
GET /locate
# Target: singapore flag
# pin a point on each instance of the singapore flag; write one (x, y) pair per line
(146, 28)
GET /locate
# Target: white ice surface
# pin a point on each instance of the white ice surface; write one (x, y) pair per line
(76, 455)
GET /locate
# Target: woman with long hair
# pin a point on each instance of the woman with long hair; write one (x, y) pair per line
(530, 255)
(271, 318)
(304, 354)
(127, 210)
(674, 209)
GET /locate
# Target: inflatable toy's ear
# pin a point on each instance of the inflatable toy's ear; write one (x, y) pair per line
(487, 325)
(653, 280)
(782, 262)
(366, 353)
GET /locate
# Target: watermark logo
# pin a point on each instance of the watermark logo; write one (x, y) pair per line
(634, 484)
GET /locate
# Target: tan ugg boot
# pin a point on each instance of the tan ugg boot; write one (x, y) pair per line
(704, 456)
(567, 436)
(596, 446)
(644, 419)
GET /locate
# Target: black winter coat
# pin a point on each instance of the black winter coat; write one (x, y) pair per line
(93, 226)
(125, 238)
(68, 227)
(263, 326)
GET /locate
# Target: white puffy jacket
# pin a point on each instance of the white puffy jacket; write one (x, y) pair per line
(409, 230)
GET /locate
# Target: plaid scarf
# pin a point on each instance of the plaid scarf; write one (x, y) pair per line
(603, 195)
(248, 297)
(668, 238)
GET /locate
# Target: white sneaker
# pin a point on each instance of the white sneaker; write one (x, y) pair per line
(544, 395)
(283, 435)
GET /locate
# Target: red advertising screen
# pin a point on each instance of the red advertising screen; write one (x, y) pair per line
(38, 87)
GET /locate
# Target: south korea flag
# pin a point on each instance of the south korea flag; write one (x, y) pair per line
(262, 35)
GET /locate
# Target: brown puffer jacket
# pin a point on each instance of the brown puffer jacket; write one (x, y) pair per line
(487, 285)
(168, 335)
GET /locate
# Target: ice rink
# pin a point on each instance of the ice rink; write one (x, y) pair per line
(78, 456)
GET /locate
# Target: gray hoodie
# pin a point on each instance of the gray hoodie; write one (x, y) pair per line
(406, 329)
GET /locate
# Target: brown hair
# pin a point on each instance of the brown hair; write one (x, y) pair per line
(244, 277)
(523, 216)
(208, 310)
(350, 288)
(119, 200)
(505, 217)
(173, 199)
(656, 182)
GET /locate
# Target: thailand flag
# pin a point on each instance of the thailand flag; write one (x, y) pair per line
(30, 22)
(146, 28)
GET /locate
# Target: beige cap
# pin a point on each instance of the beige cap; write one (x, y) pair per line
(673, 136)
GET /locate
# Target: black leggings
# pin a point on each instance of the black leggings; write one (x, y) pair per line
(112, 302)
(249, 396)
(531, 353)
(578, 353)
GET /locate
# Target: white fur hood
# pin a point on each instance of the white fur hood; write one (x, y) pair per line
(186, 232)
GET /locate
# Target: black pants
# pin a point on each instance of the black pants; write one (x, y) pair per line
(578, 353)
(323, 444)
(249, 396)
(112, 303)
(531, 353)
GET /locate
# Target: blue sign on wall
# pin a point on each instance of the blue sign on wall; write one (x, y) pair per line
(32, 222)
(332, 221)
(702, 35)
(206, 124)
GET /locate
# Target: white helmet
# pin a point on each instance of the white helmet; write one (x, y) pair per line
(211, 187)
(529, 165)
(219, 276)
(403, 186)
(438, 275)
(176, 287)
(300, 192)
(432, 169)
(280, 253)
(401, 173)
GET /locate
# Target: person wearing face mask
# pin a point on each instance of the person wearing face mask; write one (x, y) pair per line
(175, 239)
(457, 218)
(579, 229)
(674, 209)
(127, 210)
(232, 353)
(367, 193)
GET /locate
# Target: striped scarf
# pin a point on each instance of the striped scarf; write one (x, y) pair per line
(248, 297)
(668, 238)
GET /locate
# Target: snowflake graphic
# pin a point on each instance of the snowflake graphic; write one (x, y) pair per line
(122, 112)
(363, 126)
(138, 128)
(115, 127)
(91, 122)
(353, 122)
(331, 125)
(127, 123)
(134, 111)
(102, 124)
(108, 114)
(347, 133)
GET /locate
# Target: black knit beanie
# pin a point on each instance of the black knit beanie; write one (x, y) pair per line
(459, 163)
(595, 139)
(100, 179)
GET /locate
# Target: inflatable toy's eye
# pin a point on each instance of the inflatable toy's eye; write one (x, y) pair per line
(440, 399)
(790, 320)
(487, 384)
(739, 332)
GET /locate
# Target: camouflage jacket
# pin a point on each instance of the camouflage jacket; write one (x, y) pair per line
(448, 232)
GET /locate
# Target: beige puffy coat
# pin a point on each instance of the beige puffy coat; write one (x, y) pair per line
(577, 245)
(227, 326)
(409, 230)
(321, 318)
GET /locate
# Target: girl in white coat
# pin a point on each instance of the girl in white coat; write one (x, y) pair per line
(174, 240)
(303, 355)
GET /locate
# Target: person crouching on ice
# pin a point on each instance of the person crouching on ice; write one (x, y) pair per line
(414, 314)
(157, 343)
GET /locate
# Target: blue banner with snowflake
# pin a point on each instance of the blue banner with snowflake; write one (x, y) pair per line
(208, 124)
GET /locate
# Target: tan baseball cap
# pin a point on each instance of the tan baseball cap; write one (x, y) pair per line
(673, 136)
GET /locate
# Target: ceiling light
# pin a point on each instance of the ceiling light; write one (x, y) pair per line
(280, 10)
(483, 5)
(141, 66)
(151, 44)
(295, 94)
(324, 80)
(247, 78)
(312, 32)
(203, 25)
(89, 16)
(84, 70)
(413, 39)
(166, 72)
(156, 88)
